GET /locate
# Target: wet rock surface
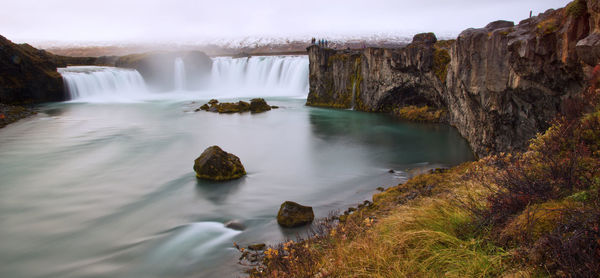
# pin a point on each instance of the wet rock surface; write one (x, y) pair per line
(292, 215)
(256, 105)
(218, 165)
(10, 113)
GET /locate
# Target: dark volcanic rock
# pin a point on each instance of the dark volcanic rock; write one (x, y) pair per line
(218, 165)
(258, 105)
(500, 85)
(293, 215)
(10, 114)
(235, 225)
(588, 49)
(158, 68)
(499, 24)
(28, 75)
(426, 38)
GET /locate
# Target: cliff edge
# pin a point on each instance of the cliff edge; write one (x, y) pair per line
(500, 84)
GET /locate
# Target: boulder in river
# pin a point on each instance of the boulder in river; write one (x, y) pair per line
(235, 225)
(258, 105)
(218, 165)
(292, 214)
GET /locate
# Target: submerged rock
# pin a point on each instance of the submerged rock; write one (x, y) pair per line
(258, 105)
(235, 225)
(218, 165)
(292, 214)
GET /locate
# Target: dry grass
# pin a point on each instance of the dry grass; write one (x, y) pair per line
(533, 214)
(423, 114)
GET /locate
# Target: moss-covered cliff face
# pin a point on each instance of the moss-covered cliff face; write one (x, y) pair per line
(335, 77)
(500, 84)
(158, 69)
(376, 79)
(28, 75)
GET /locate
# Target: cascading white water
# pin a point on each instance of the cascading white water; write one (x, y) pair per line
(84, 82)
(179, 74)
(259, 76)
(267, 75)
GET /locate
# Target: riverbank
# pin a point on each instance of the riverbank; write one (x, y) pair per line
(10, 114)
(530, 214)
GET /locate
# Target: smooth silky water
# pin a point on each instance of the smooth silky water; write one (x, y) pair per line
(103, 186)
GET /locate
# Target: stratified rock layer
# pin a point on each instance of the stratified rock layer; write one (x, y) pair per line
(218, 165)
(500, 84)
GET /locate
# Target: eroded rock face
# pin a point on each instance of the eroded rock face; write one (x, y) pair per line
(378, 79)
(218, 165)
(292, 214)
(506, 83)
(28, 75)
(500, 84)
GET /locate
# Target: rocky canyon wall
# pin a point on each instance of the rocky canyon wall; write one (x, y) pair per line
(500, 84)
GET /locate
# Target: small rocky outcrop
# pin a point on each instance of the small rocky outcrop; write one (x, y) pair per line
(292, 214)
(218, 165)
(10, 114)
(256, 105)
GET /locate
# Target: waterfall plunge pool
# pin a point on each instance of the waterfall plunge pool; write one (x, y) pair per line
(107, 189)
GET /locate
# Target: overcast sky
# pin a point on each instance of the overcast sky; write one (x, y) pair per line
(188, 20)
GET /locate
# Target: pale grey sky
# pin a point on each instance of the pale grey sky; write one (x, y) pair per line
(188, 20)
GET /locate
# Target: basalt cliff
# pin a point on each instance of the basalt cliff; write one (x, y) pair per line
(499, 85)
(28, 75)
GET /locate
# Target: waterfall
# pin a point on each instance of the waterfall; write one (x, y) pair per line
(353, 94)
(179, 75)
(259, 76)
(267, 75)
(85, 82)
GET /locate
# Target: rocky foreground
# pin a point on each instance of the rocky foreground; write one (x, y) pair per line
(500, 85)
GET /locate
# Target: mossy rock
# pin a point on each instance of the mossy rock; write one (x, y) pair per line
(204, 107)
(258, 105)
(218, 165)
(292, 215)
(228, 107)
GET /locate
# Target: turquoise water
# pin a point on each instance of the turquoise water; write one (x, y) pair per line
(108, 190)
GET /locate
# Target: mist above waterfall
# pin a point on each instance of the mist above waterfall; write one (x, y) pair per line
(260, 76)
